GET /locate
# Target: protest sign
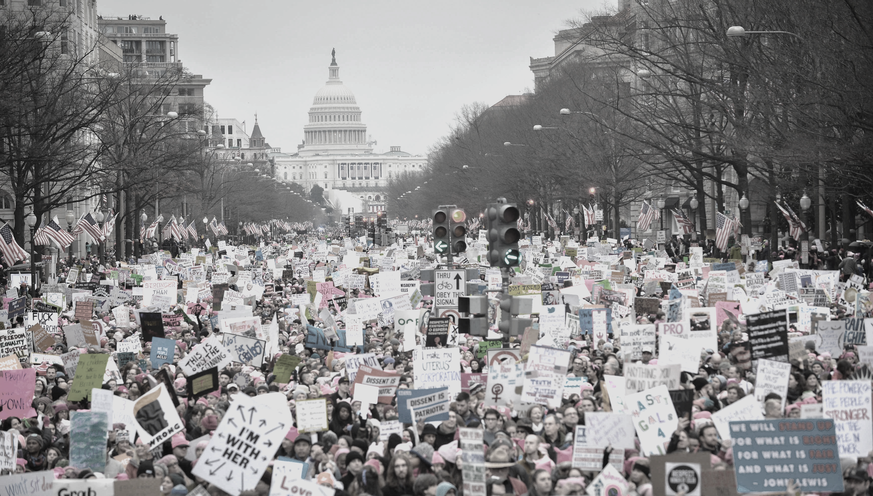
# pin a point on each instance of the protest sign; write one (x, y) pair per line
(285, 485)
(865, 355)
(390, 427)
(244, 349)
(596, 321)
(552, 360)
(160, 294)
(431, 407)
(84, 311)
(655, 418)
(770, 453)
(437, 332)
(312, 415)
(11, 362)
(848, 403)
(210, 353)
(285, 366)
(588, 456)
(472, 461)
(353, 362)
(203, 383)
(610, 429)
(8, 450)
(17, 307)
(768, 336)
(71, 362)
(135, 487)
(702, 327)
(245, 442)
(772, 377)
(639, 377)
(678, 472)
(122, 316)
(676, 350)
(16, 393)
(156, 416)
(636, 338)
(609, 482)
(504, 385)
(573, 385)
(683, 401)
(89, 432)
(284, 472)
(504, 356)
(48, 321)
(468, 380)
(88, 375)
(163, 351)
(30, 484)
(433, 397)
(407, 322)
(748, 408)
(14, 341)
(436, 368)
(541, 387)
(152, 324)
(386, 382)
(75, 335)
(101, 401)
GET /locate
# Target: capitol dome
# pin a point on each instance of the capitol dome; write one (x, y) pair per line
(335, 125)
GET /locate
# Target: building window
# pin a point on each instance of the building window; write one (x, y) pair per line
(6, 202)
(229, 129)
(34, 3)
(285, 176)
(230, 143)
(223, 129)
(187, 108)
(239, 143)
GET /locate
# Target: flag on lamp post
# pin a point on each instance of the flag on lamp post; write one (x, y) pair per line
(11, 251)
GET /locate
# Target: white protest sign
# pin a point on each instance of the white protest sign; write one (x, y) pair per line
(504, 384)
(354, 362)
(610, 482)
(848, 403)
(204, 356)
(407, 322)
(245, 442)
(156, 416)
(312, 415)
(747, 408)
(676, 350)
(616, 389)
(640, 377)
(546, 359)
(654, 417)
(158, 293)
(615, 429)
(8, 450)
(299, 487)
(102, 400)
(437, 368)
(542, 388)
(865, 354)
(772, 377)
(284, 474)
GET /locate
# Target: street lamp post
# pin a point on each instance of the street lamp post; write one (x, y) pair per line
(661, 205)
(694, 204)
(805, 204)
(101, 248)
(71, 218)
(30, 220)
(143, 218)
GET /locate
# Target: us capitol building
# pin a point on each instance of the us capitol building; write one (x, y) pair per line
(337, 156)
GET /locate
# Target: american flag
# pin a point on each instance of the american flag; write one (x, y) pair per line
(89, 225)
(52, 231)
(590, 216)
(214, 227)
(474, 225)
(153, 228)
(684, 222)
(865, 208)
(182, 229)
(109, 225)
(647, 215)
(724, 228)
(192, 229)
(11, 251)
(519, 224)
(223, 228)
(795, 227)
(569, 223)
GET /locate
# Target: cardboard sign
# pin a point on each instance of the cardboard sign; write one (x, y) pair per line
(437, 332)
(747, 408)
(385, 382)
(678, 472)
(42, 339)
(8, 450)
(284, 485)
(504, 385)
(436, 368)
(89, 432)
(163, 351)
(11, 362)
(88, 375)
(16, 393)
(244, 349)
(156, 416)
(609, 482)
(245, 442)
(203, 383)
(430, 407)
(14, 341)
(17, 307)
(84, 311)
(312, 415)
(204, 356)
(767, 453)
(152, 325)
(640, 377)
(848, 403)
(655, 418)
(354, 362)
(772, 377)
(615, 429)
(285, 366)
(768, 335)
(408, 399)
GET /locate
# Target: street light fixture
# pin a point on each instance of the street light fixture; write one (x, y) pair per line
(740, 32)
(661, 205)
(71, 217)
(540, 128)
(744, 202)
(693, 203)
(509, 143)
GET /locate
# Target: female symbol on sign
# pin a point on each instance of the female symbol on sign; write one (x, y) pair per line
(496, 390)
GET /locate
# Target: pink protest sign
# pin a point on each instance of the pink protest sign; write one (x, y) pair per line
(16, 393)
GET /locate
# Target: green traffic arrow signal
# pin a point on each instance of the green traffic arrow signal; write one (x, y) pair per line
(440, 246)
(511, 257)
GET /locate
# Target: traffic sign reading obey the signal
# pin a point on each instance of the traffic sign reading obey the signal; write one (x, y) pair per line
(448, 286)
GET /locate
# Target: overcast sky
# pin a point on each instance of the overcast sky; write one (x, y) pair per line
(411, 64)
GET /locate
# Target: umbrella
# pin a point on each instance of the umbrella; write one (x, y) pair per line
(859, 244)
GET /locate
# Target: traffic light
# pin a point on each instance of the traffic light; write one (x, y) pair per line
(501, 224)
(510, 308)
(382, 220)
(458, 226)
(371, 230)
(359, 224)
(441, 231)
(477, 323)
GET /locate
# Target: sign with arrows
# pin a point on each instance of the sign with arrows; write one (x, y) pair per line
(245, 442)
(448, 286)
